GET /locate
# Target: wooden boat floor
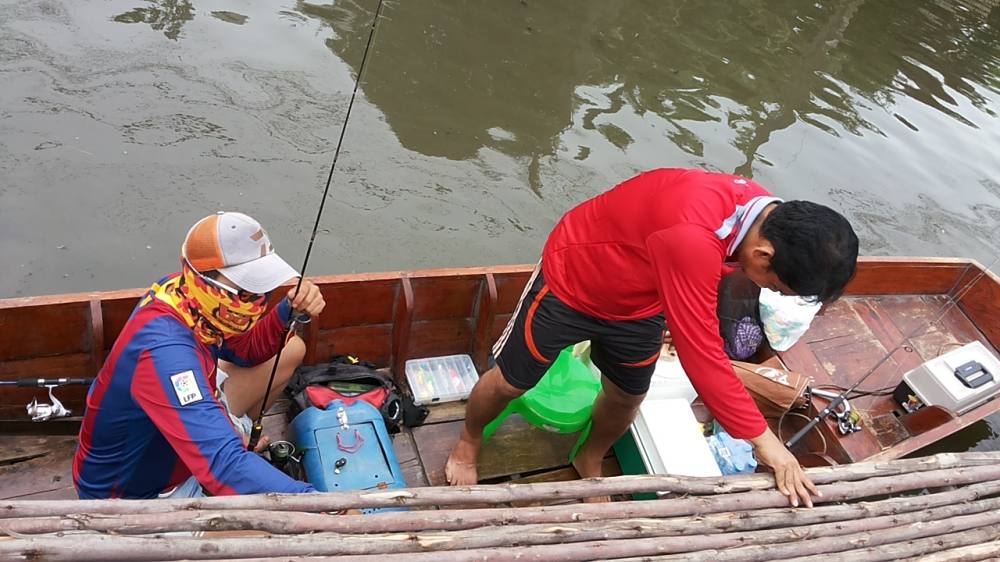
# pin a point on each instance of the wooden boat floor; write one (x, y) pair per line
(516, 452)
(851, 336)
(37, 467)
(40, 467)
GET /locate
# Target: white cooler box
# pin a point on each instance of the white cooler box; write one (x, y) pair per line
(959, 380)
(665, 437)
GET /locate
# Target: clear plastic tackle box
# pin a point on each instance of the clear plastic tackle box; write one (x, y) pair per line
(441, 379)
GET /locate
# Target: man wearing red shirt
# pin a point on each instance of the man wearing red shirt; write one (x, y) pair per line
(649, 251)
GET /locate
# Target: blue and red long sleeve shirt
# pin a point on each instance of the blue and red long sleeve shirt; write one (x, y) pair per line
(153, 419)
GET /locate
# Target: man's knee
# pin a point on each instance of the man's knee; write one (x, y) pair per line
(619, 398)
(295, 348)
(291, 357)
(497, 384)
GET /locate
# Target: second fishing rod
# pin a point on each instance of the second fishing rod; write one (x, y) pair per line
(258, 425)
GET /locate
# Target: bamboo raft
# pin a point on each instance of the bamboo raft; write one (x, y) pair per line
(943, 507)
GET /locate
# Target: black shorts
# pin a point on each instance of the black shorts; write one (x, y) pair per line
(624, 350)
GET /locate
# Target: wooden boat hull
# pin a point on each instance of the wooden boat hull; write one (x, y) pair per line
(891, 300)
(388, 318)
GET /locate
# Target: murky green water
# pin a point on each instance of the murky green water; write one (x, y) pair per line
(123, 121)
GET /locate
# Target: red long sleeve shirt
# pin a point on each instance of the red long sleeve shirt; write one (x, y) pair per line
(656, 244)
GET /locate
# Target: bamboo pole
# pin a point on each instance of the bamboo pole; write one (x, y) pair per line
(290, 522)
(968, 545)
(498, 493)
(325, 502)
(821, 548)
(681, 507)
(970, 553)
(623, 538)
(922, 547)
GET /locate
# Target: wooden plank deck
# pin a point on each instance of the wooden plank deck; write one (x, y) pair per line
(40, 467)
(850, 337)
(516, 450)
(37, 468)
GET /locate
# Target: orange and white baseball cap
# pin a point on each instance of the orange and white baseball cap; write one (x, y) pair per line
(239, 248)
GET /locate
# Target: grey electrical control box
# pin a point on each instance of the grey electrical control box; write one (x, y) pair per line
(959, 380)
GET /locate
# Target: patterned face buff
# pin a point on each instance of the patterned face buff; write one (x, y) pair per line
(212, 310)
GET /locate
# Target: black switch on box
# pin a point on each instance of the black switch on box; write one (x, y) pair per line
(973, 374)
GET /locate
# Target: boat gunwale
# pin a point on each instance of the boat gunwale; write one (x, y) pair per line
(866, 265)
(320, 280)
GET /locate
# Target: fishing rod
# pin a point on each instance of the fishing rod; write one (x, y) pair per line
(257, 425)
(840, 398)
(47, 382)
(40, 411)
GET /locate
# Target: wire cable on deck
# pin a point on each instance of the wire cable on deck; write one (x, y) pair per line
(952, 301)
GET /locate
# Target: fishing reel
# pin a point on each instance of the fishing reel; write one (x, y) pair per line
(40, 411)
(848, 419)
(281, 455)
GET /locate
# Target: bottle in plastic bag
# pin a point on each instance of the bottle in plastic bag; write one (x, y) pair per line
(734, 456)
(785, 318)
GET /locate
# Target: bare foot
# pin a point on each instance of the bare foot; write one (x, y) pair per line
(460, 470)
(589, 469)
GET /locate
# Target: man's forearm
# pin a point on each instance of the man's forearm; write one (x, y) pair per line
(766, 438)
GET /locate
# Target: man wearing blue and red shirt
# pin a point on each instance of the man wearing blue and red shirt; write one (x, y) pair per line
(158, 415)
(648, 252)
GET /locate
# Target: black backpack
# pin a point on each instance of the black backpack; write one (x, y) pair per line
(738, 309)
(349, 379)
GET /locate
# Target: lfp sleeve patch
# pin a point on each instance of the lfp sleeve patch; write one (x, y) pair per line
(186, 387)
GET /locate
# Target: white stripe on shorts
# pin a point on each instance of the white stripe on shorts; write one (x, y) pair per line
(498, 346)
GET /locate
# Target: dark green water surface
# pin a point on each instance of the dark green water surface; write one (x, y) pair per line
(478, 124)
